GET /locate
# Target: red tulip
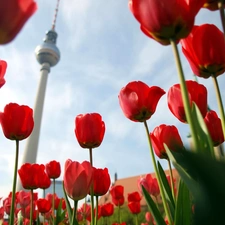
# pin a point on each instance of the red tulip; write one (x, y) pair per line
(2, 213)
(30, 175)
(168, 135)
(138, 101)
(89, 130)
(107, 209)
(134, 207)
(77, 179)
(53, 169)
(197, 93)
(57, 200)
(214, 127)
(204, 49)
(44, 181)
(3, 66)
(24, 198)
(123, 223)
(117, 195)
(150, 184)
(17, 121)
(83, 212)
(43, 205)
(134, 197)
(7, 205)
(26, 213)
(13, 15)
(166, 19)
(212, 4)
(101, 181)
(148, 217)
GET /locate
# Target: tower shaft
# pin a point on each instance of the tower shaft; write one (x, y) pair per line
(31, 148)
(30, 153)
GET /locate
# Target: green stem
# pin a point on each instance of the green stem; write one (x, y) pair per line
(171, 178)
(74, 211)
(157, 201)
(136, 219)
(157, 175)
(53, 203)
(92, 191)
(96, 210)
(119, 219)
(222, 16)
(11, 220)
(31, 206)
(184, 93)
(220, 103)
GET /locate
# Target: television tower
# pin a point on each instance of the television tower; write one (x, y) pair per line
(48, 55)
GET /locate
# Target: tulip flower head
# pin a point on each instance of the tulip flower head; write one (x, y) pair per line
(77, 179)
(53, 169)
(148, 217)
(204, 49)
(214, 126)
(17, 121)
(89, 130)
(3, 66)
(166, 19)
(117, 193)
(168, 135)
(2, 212)
(57, 200)
(101, 181)
(134, 207)
(13, 16)
(83, 212)
(134, 197)
(24, 198)
(44, 181)
(138, 101)
(30, 175)
(107, 209)
(197, 93)
(150, 184)
(7, 205)
(43, 205)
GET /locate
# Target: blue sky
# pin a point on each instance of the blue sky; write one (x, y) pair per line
(102, 49)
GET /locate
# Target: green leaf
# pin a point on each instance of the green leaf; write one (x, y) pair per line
(60, 214)
(167, 188)
(68, 206)
(204, 176)
(153, 208)
(38, 221)
(183, 205)
(204, 141)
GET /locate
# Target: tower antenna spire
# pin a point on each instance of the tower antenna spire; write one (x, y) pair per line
(55, 15)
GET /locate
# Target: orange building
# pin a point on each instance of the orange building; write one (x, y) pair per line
(130, 185)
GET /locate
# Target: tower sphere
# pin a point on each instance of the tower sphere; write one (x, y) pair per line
(48, 52)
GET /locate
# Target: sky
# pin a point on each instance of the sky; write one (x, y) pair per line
(102, 50)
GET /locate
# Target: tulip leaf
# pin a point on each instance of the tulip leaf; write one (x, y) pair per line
(167, 188)
(60, 214)
(204, 176)
(68, 206)
(153, 208)
(183, 205)
(38, 221)
(203, 140)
